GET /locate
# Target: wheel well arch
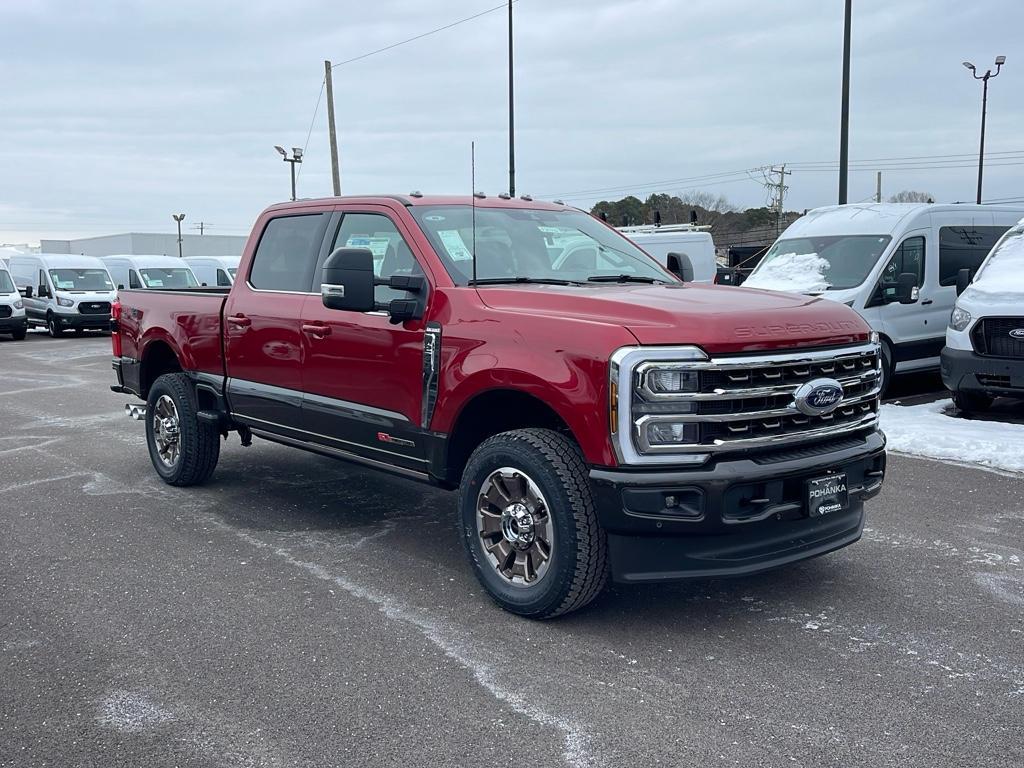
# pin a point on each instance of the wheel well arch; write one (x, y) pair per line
(490, 413)
(157, 360)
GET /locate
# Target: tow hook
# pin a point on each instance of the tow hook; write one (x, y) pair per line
(135, 411)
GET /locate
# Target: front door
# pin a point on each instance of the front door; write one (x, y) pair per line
(363, 376)
(263, 338)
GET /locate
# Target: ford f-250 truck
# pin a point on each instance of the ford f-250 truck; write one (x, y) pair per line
(598, 415)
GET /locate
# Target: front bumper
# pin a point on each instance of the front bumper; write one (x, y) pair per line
(732, 517)
(965, 370)
(79, 321)
(13, 323)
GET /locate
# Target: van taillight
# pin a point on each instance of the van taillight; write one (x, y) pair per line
(115, 327)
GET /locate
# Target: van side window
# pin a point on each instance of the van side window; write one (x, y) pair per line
(287, 253)
(42, 282)
(964, 248)
(222, 277)
(391, 254)
(133, 279)
(908, 257)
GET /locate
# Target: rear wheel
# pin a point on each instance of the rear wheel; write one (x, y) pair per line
(972, 402)
(53, 325)
(183, 449)
(529, 524)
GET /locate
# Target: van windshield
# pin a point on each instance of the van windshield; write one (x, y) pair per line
(6, 286)
(814, 264)
(528, 245)
(81, 280)
(179, 277)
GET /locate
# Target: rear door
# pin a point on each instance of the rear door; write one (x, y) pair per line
(263, 323)
(363, 376)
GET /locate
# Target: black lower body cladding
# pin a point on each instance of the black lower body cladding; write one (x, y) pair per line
(966, 371)
(736, 516)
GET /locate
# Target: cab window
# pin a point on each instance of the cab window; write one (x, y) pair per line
(391, 254)
(286, 255)
(908, 257)
(133, 279)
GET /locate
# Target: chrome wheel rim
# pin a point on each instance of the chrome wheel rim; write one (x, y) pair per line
(513, 522)
(166, 431)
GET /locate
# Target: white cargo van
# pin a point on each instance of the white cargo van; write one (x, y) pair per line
(64, 291)
(984, 353)
(155, 272)
(214, 270)
(895, 263)
(12, 307)
(660, 241)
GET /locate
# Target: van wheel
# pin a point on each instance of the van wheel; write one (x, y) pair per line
(53, 326)
(184, 450)
(972, 402)
(527, 519)
(887, 366)
(19, 334)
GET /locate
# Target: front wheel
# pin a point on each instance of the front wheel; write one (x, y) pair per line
(53, 326)
(971, 402)
(19, 334)
(184, 450)
(527, 519)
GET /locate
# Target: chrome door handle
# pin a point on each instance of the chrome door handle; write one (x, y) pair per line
(319, 331)
(240, 320)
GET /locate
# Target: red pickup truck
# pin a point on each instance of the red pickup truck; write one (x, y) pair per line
(598, 415)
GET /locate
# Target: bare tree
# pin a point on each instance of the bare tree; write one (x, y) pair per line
(709, 201)
(910, 196)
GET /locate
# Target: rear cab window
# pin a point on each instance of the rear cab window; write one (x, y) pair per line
(286, 255)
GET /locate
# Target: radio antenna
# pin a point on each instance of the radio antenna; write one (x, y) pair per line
(472, 198)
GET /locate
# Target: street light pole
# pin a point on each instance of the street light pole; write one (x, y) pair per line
(1000, 60)
(178, 217)
(295, 158)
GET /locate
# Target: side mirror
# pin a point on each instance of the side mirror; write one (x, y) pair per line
(43, 292)
(120, 286)
(906, 288)
(347, 280)
(963, 279)
(679, 264)
(27, 291)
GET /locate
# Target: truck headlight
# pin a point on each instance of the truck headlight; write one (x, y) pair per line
(960, 319)
(65, 302)
(19, 304)
(666, 380)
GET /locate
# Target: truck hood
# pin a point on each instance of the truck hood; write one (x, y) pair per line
(720, 319)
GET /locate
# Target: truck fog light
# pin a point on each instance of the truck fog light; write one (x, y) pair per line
(960, 319)
(668, 381)
(671, 433)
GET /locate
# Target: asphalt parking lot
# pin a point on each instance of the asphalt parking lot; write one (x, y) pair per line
(302, 612)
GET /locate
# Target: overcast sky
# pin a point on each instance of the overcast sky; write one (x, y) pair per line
(116, 114)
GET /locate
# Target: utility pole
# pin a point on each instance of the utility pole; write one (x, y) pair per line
(178, 218)
(201, 226)
(335, 169)
(989, 74)
(878, 187)
(844, 118)
(778, 194)
(511, 112)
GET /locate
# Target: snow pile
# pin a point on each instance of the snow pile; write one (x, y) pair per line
(794, 272)
(1004, 272)
(925, 430)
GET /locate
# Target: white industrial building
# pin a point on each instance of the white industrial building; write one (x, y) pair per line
(132, 243)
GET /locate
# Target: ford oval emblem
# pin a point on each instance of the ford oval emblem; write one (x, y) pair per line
(1017, 333)
(818, 397)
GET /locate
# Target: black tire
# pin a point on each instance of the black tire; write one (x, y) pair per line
(19, 334)
(972, 402)
(578, 566)
(79, 331)
(887, 367)
(198, 442)
(52, 326)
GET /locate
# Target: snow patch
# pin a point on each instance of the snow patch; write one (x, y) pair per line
(794, 272)
(130, 712)
(926, 430)
(1003, 273)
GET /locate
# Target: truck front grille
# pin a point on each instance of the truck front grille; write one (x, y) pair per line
(991, 337)
(748, 402)
(94, 307)
(5, 311)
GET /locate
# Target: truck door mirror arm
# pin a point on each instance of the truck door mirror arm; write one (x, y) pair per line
(907, 291)
(348, 281)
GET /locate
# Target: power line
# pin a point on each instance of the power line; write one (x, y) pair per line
(309, 133)
(501, 7)
(970, 156)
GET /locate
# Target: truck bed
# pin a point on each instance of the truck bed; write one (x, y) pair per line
(189, 321)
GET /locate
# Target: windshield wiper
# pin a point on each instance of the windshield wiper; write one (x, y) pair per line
(513, 280)
(623, 279)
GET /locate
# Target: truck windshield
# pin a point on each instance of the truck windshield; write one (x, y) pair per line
(5, 283)
(168, 278)
(818, 263)
(81, 280)
(519, 245)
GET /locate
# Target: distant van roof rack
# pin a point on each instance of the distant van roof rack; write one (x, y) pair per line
(644, 229)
